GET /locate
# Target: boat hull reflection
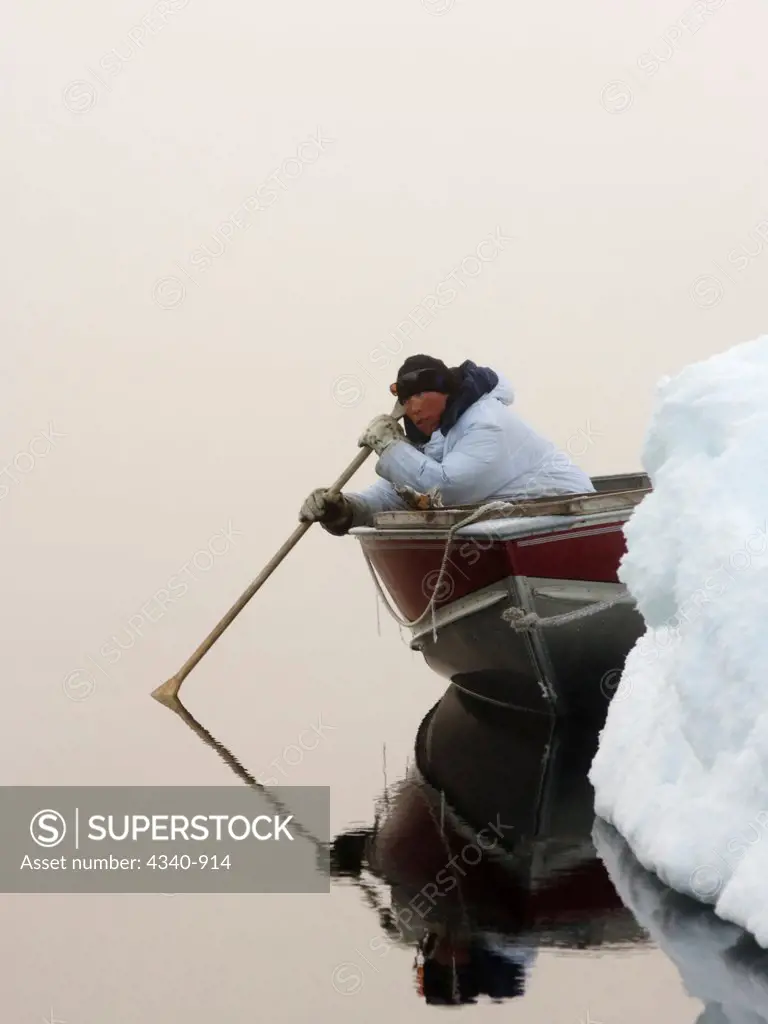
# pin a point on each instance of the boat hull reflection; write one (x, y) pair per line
(491, 832)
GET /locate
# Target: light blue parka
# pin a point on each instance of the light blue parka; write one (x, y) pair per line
(489, 453)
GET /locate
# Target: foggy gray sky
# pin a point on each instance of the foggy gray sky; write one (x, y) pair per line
(189, 399)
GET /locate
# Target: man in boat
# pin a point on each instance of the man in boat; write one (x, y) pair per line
(462, 444)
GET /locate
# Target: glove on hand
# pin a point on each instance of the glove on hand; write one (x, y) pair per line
(332, 511)
(380, 433)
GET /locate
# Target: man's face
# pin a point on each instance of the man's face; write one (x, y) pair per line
(425, 410)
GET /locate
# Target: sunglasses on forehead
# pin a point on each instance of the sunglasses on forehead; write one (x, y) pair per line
(413, 377)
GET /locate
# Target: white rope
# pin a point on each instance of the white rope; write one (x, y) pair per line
(493, 506)
(521, 621)
(518, 618)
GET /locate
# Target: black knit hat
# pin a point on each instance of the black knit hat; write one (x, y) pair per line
(424, 373)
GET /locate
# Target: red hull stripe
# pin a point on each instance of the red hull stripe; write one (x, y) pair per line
(590, 554)
(409, 567)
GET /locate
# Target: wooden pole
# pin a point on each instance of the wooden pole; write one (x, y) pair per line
(167, 692)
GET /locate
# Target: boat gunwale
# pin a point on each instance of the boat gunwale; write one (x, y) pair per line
(502, 531)
(562, 506)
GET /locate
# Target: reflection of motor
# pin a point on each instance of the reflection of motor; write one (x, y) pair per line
(451, 970)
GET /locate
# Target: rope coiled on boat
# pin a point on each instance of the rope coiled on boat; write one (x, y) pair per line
(519, 619)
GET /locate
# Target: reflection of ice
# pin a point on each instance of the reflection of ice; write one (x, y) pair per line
(718, 962)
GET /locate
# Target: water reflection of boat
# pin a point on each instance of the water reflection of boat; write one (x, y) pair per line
(486, 848)
(719, 963)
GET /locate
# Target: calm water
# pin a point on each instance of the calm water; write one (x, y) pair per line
(553, 930)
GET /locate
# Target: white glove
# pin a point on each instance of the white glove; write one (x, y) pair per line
(380, 433)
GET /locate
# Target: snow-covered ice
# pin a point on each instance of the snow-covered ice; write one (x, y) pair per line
(682, 766)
